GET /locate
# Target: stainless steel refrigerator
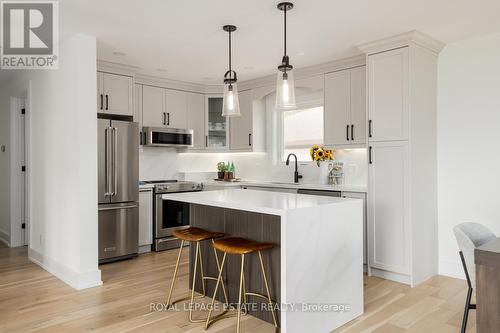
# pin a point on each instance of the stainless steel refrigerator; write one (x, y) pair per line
(118, 171)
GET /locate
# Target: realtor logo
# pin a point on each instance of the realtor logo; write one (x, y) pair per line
(29, 35)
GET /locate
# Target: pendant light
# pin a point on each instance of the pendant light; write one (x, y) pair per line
(230, 104)
(285, 87)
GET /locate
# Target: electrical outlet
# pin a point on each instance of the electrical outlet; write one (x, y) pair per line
(2, 148)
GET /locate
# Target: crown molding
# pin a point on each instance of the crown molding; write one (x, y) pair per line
(306, 72)
(155, 81)
(116, 68)
(412, 37)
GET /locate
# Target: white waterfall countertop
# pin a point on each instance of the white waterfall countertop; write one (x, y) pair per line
(274, 203)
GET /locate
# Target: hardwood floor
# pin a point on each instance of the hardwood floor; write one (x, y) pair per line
(32, 300)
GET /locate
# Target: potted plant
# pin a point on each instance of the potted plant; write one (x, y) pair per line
(221, 170)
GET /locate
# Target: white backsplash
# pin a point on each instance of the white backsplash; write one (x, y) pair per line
(258, 166)
(158, 163)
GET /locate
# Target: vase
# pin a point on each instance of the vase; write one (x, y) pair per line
(324, 170)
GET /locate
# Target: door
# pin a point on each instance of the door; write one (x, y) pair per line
(118, 93)
(196, 119)
(145, 217)
(176, 102)
(118, 230)
(388, 207)
(358, 105)
(217, 125)
(337, 125)
(125, 161)
(388, 95)
(242, 126)
(103, 160)
(100, 94)
(153, 107)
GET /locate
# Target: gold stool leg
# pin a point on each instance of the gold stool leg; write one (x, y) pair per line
(267, 290)
(215, 291)
(193, 285)
(201, 271)
(219, 268)
(242, 278)
(175, 274)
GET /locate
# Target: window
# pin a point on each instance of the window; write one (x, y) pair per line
(302, 128)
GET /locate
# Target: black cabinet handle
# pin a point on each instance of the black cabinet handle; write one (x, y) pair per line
(347, 132)
(370, 155)
(352, 132)
(164, 118)
(168, 118)
(370, 128)
(107, 102)
(249, 139)
(102, 101)
(206, 140)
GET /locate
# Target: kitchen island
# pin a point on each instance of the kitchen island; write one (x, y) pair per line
(316, 267)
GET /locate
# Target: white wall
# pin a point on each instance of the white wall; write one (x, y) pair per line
(468, 141)
(62, 164)
(5, 164)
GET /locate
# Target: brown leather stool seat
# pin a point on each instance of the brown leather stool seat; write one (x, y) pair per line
(235, 245)
(193, 234)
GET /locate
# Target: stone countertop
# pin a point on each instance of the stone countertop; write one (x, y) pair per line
(342, 188)
(274, 203)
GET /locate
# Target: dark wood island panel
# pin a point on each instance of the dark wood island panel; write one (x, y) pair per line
(237, 223)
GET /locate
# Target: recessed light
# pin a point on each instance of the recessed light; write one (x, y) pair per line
(161, 69)
(300, 54)
(206, 78)
(248, 68)
(120, 54)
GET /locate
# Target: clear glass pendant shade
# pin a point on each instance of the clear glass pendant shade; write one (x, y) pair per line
(285, 91)
(230, 103)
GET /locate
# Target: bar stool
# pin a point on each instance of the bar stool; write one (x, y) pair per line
(242, 247)
(196, 235)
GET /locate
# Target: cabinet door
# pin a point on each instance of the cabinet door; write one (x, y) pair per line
(145, 217)
(176, 108)
(196, 119)
(217, 125)
(100, 95)
(240, 129)
(388, 95)
(358, 105)
(118, 92)
(388, 225)
(360, 195)
(337, 108)
(153, 107)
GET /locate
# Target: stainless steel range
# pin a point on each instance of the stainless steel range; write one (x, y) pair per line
(170, 215)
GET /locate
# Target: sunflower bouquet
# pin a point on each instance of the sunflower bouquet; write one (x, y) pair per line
(320, 153)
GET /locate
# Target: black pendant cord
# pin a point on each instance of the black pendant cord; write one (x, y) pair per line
(284, 31)
(230, 68)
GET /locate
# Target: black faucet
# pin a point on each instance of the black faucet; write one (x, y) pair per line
(296, 175)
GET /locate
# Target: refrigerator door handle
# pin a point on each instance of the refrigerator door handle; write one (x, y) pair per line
(115, 161)
(119, 206)
(107, 162)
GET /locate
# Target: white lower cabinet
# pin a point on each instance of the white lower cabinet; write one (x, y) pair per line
(362, 196)
(388, 207)
(145, 218)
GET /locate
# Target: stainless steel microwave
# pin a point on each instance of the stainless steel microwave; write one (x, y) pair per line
(167, 137)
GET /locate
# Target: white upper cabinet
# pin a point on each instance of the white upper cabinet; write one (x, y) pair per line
(176, 108)
(358, 105)
(115, 94)
(196, 119)
(240, 128)
(153, 107)
(388, 95)
(337, 122)
(345, 107)
(388, 207)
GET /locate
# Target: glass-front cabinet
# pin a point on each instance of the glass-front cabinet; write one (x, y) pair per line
(217, 133)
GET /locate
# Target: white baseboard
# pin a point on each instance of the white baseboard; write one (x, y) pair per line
(452, 269)
(144, 249)
(401, 278)
(77, 280)
(5, 238)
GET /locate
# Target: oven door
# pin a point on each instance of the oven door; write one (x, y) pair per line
(170, 216)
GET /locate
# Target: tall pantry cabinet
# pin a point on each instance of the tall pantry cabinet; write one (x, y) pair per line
(402, 196)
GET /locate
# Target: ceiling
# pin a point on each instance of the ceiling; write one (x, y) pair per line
(183, 40)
